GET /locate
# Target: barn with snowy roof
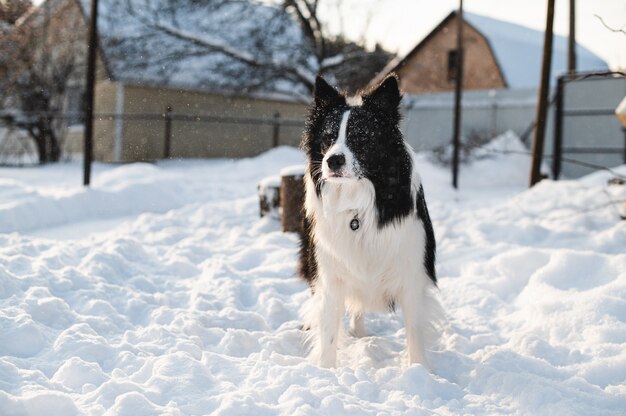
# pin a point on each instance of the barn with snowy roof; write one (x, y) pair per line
(498, 54)
(192, 79)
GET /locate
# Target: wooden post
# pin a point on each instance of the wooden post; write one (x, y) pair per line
(276, 133)
(269, 197)
(167, 144)
(557, 150)
(89, 92)
(571, 44)
(458, 90)
(542, 99)
(624, 155)
(292, 198)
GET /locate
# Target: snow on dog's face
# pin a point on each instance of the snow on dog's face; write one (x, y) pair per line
(349, 143)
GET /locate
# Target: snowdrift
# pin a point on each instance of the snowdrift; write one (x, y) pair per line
(160, 291)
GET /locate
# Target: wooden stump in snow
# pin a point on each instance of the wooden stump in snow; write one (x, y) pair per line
(269, 197)
(292, 198)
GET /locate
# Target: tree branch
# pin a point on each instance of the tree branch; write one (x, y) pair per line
(338, 60)
(622, 31)
(305, 75)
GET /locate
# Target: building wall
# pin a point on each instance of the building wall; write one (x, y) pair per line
(143, 128)
(104, 126)
(428, 118)
(426, 70)
(143, 139)
(589, 122)
(69, 18)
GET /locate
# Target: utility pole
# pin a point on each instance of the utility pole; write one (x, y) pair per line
(46, 36)
(571, 44)
(542, 99)
(458, 91)
(89, 91)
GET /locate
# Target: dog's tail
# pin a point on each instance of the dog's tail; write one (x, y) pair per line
(307, 265)
(434, 319)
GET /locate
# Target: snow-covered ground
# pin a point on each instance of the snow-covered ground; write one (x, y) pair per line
(160, 291)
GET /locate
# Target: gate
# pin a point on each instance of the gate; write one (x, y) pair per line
(586, 131)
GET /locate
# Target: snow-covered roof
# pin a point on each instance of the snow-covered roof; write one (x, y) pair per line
(37, 15)
(518, 51)
(155, 43)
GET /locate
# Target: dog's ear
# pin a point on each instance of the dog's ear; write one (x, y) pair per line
(327, 96)
(386, 96)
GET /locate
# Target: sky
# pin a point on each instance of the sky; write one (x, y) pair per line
(400, 24)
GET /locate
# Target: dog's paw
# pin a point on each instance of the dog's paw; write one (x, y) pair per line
(327, 359)
(327, 363)
(357, 326)
(357, 332)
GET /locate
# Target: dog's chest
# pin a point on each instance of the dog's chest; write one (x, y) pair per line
(347, 230)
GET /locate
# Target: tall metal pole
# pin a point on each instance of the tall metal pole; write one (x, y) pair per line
(167, 142)
(89, 92)
(458, 90)
(542, 99)
(46, 35)
(571, 44)
(557, 148)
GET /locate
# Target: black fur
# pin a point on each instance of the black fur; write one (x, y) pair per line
(322, 126)
(430, 249)
(308, 263)
(374, 136)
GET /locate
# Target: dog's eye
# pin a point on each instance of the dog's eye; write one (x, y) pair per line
(358, 139)
(327, 141)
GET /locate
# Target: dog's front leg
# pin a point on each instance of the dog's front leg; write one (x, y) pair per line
(357, 325)
(413, 311)
(331, 308)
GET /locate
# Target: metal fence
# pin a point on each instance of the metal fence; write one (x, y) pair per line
(167, 128)
(428, 118)
(585, 125)
(16, 147)
(582, 129)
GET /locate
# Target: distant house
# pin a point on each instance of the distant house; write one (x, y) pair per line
(498, 54)
(206, 62)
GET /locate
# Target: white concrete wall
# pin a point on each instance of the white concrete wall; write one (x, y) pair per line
(428, 118)
(603, 131)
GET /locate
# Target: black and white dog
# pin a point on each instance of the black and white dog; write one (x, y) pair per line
(368, 243)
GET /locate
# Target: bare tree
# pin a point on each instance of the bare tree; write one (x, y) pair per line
(12, 10)
(253, 44)
(242, 45)
(612, 29)
(349, 62)
(307, 14)
(359, 67)
(36, 65)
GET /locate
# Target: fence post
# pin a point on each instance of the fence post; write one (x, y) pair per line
(89, 92)
(494, 113)
(458, 94)
(168, 133)
(624, 130)
(542, 98)
(557, 148)
(276, 133)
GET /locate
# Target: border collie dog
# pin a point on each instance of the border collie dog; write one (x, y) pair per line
(368, 243)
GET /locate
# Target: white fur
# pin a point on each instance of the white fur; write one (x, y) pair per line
(351, 169)
(362, 270)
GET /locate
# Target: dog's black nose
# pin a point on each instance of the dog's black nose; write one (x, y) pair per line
(336, 161)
